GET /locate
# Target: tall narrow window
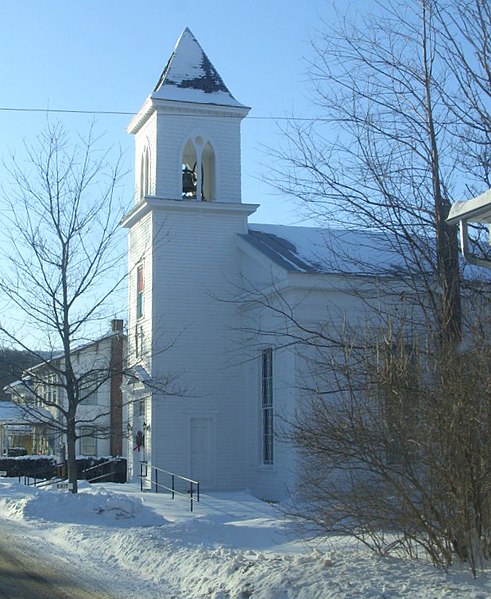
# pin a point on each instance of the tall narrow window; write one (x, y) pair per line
(88, 443)
(138, 341)
(397, 379)
(140, 292)
(267, 405)
(89, 388)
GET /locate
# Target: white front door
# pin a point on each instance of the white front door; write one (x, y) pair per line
(202, 450)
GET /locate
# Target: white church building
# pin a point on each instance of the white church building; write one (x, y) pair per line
(215, 385)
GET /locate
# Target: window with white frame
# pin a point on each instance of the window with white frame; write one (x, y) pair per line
(138, 341)
(54, 388)
(89, 389)
(398, 395)
(88, 442)
(51, 389)
(141, 407)
(267, 405)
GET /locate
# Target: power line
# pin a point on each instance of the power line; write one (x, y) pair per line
(63, 110)
(124, 113)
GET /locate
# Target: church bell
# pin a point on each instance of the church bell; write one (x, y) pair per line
(189, 180)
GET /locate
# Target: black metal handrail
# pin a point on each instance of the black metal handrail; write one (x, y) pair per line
(193, 489)
(101, 465)
(37, 477)
(50, 482)
(101, 477)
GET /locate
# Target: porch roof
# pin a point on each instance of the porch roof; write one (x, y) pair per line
(12, 413)
(477, 209)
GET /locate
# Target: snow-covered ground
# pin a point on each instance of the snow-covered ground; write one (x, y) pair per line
(232, 546)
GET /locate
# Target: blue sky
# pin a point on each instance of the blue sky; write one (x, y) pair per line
(106, 55)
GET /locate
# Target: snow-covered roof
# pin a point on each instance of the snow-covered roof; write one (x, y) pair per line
(77, 350)
(189, 76)
(316, 250)
(139, 374)
(22, 387)
(12, 413)
(478, 209)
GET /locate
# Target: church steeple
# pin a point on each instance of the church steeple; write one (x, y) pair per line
(188, 132)
(189, 76)
(183, 255)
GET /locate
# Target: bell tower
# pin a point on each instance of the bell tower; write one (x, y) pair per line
(188, 132)
(183, 262)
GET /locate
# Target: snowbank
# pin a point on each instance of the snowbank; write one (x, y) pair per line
(232, 546)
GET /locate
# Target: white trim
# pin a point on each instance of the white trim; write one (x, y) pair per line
(180, 107)
(171, 205)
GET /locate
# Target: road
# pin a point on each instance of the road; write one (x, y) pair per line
(28, 572)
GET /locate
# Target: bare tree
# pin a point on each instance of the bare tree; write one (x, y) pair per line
(403, 98)
(392, 427)
(464, 39)
(395, 441)
(394, 419)
(63, 261)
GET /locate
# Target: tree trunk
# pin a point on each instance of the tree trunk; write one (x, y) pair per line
(71, 441)
(450, 311)
(449, 275)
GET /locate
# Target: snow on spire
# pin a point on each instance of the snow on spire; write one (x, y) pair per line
(189, 76)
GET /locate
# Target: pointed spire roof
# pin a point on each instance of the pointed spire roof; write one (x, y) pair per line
(189, 76)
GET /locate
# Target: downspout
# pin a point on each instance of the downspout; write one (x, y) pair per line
(464, 246)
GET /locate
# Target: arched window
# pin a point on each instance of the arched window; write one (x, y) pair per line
(198, 170)
(189, 171)
(208, 170)
(145, 174)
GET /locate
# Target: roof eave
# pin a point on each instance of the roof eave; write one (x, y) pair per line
(142, 116)
(477, 209)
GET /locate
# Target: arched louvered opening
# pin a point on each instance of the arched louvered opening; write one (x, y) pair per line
(145, 174)
(208, 173)
(189, 171)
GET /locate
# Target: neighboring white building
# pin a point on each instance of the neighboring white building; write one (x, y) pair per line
(476, 210)
(98, 368)
(197, 270)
